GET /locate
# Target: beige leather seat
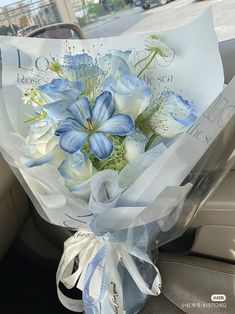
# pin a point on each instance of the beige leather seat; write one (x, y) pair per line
(189, 280)
(188, 284)
(13, 207)
(161, 305)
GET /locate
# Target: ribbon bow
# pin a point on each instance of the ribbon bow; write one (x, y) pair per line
(97, 273)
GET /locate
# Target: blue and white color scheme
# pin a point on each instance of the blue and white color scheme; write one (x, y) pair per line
(102, 139)
(94, 112)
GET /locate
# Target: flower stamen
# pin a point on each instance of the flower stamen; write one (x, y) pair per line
(89, 124)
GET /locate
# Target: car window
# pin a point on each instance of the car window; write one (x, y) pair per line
(101, 18)
(157, 15)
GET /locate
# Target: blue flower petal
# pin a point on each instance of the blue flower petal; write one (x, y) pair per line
(68, 125)
(103, 108)
(186, 122)
(72, 94)
(119, 66)
(77, 85)
(57, 110)
(113, 64)
(181, 101)
(119, 124)
(82, 58)
(110, 84)
(76, 169)
(72, 141)
(61, 89)
(101, 146)
(81, 110)
(71, 165)
(51, 89)
(132, 83)
(123, 54)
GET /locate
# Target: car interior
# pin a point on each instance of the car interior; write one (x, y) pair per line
(193, 268)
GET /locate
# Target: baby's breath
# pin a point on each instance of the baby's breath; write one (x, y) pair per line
(32, 96)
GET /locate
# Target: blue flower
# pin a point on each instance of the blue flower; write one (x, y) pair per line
(173, 116)
(130, 94)
(76, 170)
(40, 143)
(59, 89)
(78, 59)
(57, 110)
(80, 67)
(92, 125)
(116, 63)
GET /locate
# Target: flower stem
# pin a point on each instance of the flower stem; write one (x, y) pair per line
(149, 62)
(37, 102)
(150, 141)
(140, 61)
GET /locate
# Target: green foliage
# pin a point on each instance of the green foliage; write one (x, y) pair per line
(93, 9)
(117, 161)
(118, 4)
(96, 10)
(82, 21)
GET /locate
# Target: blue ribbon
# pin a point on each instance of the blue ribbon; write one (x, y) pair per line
(90, 305)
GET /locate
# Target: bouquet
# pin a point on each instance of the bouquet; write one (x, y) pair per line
(115, 143)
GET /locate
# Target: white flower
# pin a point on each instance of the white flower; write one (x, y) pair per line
(135, 145)
(76, 170)
(131, 95)
(40, 143)
(173, 116)
(154, 44)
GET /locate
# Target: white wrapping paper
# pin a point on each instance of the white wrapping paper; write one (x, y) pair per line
(116, 224)
(26, 61)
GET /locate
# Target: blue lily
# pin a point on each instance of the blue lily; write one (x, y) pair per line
(92, 124)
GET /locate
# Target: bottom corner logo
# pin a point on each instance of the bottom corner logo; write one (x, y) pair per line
(218, 297)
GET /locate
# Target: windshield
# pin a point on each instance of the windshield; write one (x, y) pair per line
(101, 18)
